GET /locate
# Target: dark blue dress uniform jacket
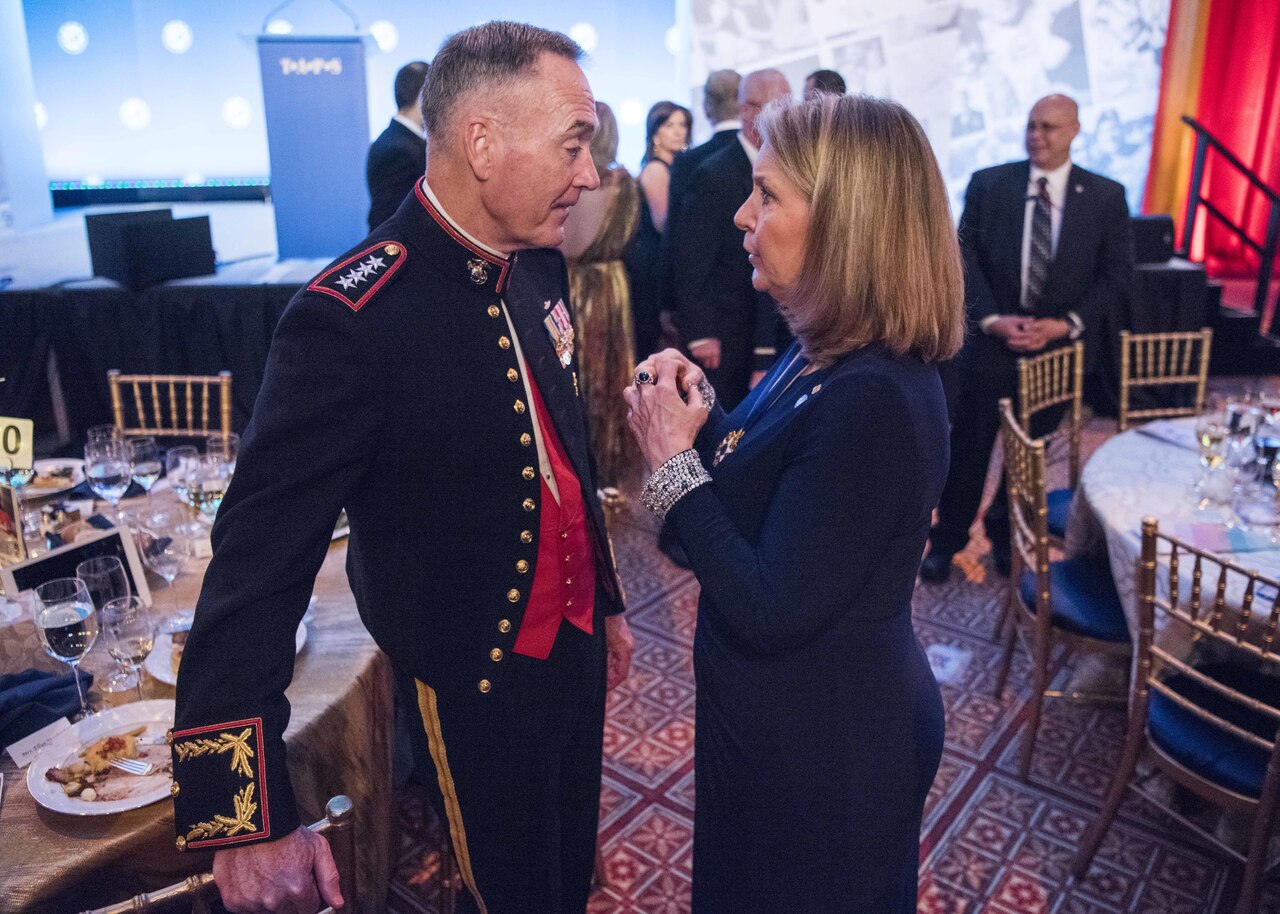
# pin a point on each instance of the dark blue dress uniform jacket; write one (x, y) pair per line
(391, 391)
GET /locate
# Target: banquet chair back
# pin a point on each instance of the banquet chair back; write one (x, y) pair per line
(1150, 360)
(170, 404)
(1087, 620)
(1050, 379)
(1208, 721)
(337, 825)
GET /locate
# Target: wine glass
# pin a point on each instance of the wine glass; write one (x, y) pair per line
(1211, 433)
(1266, 442)
(207, 481)
(131, 634)
(68, 626)
(145, 465)
(225, 446)
(105, 579)
(16, 478)
(177, 466)
(106, 467)
(166, 550)
(100, 433)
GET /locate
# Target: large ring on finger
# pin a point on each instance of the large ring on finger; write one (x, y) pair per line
(644, 376)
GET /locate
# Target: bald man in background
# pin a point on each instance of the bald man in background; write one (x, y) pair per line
(1047, 255)
(717, 309)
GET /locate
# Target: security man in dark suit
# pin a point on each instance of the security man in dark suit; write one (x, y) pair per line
(426, 381)
(398, 157)
(717, 309)
(1048, 255)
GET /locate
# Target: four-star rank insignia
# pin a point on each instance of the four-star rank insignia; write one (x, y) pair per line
(355, 279)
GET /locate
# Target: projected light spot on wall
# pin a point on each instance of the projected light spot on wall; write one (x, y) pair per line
(386, 35)
(673, 40)
(585, 34)
(279, 27)
(194, 178)
(237, 113)
(42, 116)
(176, 36)
(631, 112)
(92, 180)
(135, 113)
(73, 37)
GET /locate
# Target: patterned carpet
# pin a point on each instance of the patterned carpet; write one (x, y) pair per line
(990, 843)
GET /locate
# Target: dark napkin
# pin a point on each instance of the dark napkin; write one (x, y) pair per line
(82, 492)
(31, 699)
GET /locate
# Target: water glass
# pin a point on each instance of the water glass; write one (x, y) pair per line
(1211, 436)
(99, 433)
(1258, 507)
(68, 626)
(145, 464)
(106, 467)
(105, 579)
(166, 548)
(178, 462)
(207, 482)
(1242, 414)
(17, 478)
(225, 446)
(1266, 443)
(131, 634)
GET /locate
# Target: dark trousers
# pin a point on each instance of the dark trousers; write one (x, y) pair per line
(973, 397)
(517, 782)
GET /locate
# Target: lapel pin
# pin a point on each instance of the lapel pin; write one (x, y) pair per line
(816, 388)
(800, 402)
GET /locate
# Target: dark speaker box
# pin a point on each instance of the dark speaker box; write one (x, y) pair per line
(143, 248)
(1152, 238)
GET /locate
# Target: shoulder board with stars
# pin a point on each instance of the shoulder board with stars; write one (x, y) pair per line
(354, 281)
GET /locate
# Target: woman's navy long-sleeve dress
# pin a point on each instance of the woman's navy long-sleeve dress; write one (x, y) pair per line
(819, 723)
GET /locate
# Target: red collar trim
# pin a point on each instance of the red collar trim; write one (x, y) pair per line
(504, 266)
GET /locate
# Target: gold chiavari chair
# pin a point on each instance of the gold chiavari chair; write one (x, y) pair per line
(1045, 381)
(170, 405)
(337, 826)
(1163, 360)
(1072, 602)
(1208, 722)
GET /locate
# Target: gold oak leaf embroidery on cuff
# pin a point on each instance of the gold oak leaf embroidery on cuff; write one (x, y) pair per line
(242, 821)
(237, 745)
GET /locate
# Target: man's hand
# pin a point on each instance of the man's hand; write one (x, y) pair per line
(618, 643)
(279, 877)
(706, 352)
(1038, 334)
(1009, 326)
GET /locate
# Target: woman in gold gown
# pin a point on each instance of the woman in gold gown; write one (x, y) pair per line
(596, 233)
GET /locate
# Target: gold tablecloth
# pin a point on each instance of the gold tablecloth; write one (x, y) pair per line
(339, 741)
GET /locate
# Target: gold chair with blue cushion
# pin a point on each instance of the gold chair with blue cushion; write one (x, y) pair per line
(1072, 602)
(1045, 381)
(1207, 721)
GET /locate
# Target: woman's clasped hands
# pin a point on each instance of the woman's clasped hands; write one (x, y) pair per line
(667, 406)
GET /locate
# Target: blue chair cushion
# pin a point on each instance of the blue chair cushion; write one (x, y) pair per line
(1085, 601)
(1209, 750)
(1059, 503)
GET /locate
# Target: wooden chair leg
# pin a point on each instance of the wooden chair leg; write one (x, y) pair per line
(1259, 835)
(1097, 830)
(1039, 677)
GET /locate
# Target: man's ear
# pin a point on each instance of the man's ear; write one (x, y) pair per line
(480, 143)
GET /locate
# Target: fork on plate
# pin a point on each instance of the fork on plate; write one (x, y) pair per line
(132, 765)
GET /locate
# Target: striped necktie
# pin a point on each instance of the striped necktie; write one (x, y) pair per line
(1041, 246)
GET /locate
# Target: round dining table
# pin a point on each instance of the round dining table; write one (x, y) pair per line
(339, 741)
(1151, 471)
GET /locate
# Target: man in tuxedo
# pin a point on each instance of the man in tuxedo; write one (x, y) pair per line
(398, 157)
(716, 308)
(1047, 255)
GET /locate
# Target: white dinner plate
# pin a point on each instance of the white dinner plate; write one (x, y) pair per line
(157, 715)
(60, 465)
(160, 664)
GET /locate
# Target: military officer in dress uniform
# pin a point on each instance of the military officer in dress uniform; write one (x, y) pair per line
(426, 382)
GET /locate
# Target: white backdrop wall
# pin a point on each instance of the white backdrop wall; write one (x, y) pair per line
(969, 70)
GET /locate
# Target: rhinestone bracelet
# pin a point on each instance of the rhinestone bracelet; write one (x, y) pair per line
(672, 481)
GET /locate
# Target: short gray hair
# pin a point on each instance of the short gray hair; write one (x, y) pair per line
(485, 56)
(720, 98)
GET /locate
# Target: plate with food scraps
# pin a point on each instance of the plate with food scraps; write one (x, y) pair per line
(53, 476)
(164, 659)
(71, 774)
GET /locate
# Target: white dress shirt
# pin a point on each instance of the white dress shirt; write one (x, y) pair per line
(407, 124)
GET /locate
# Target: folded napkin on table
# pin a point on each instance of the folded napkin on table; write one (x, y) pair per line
(82, 492)
(31, 700)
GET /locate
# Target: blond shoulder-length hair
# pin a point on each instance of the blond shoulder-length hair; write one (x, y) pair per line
(881, 261)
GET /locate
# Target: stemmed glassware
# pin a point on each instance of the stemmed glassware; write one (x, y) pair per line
(145, 465)
(107, 469)
(105, 579)
(207, 481)
(131, 634)
(225, 446)
(178, 465)
(166, 549)
(17, 478)
(68, 626)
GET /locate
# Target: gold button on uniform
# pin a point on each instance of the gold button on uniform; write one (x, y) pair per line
(522, 566)
(493, 311)
(513, 375)
(529, 504)
(526, 439)
(504, 342)
(513, 595)
(519, 407)
(526, 536)
(495, 655)
(484, 686)
(504, 626)
(528, 473)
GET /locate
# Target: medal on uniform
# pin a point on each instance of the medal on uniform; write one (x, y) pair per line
(727, 446)
(560, 329)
